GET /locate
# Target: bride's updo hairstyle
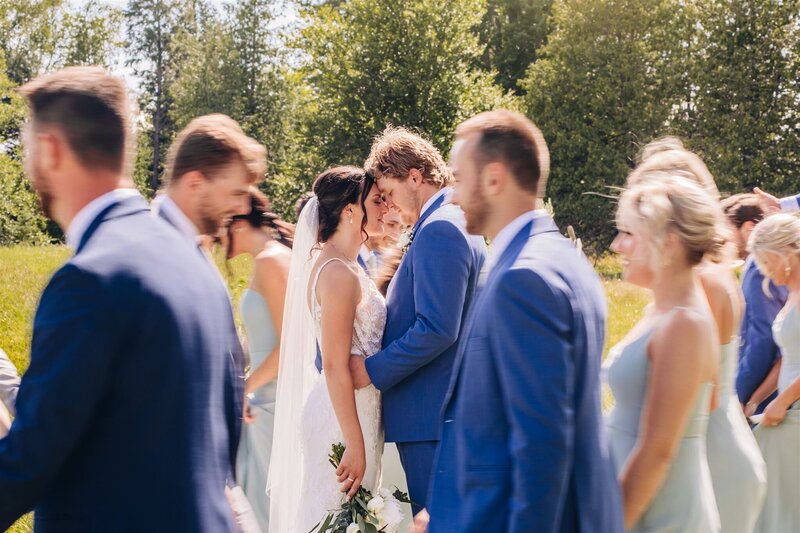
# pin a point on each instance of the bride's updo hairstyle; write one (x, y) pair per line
(335, 189)
(669, 203)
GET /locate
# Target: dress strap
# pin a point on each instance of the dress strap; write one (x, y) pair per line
(316, 279)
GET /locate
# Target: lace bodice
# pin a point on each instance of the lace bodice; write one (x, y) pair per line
(370, 314)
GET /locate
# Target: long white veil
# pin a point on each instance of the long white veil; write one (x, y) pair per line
(296, 376)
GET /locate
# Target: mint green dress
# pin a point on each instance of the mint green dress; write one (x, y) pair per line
(685, 502)
(255, 446)
(781, 444)
(737, 468)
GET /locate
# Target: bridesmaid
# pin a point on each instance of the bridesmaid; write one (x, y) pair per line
(775, 244)
(261, 234)
(661, 374)
(737, 468)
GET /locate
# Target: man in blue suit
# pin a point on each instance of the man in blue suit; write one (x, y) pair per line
(121, 416)
(758, 352)
(426, 301)
(523, 447)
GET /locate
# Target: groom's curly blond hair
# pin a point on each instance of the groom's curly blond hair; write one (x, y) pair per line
(397, 151)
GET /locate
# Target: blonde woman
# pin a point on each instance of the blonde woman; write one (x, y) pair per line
(775, 244)
(662, 373)
(737, 469)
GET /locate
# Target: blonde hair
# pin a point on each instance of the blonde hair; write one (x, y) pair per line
(778, 234)
(670, 203)
(397, 151)
(669, 154)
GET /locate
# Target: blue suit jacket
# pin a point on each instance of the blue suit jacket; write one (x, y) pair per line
(121, 421)
(523, 446)
(234, 387)
(757, 351)
(426, 304)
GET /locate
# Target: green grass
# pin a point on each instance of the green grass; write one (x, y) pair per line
(24, 271)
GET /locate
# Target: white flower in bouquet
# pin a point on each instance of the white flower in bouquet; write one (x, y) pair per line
(385, 493)
(352, 528)
(391, 514)
(375, 504)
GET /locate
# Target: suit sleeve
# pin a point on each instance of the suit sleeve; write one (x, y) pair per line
(790, 204)
(759, 352)
(532, 344)
(441, 267)
(72, 351)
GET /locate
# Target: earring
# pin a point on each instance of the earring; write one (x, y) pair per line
(787, 271)
(351, 217)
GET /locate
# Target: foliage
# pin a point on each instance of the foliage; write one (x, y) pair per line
(150, 27)
(602, 87)
(511, 32)
(20, 218)
(743, 114)
(373, 63)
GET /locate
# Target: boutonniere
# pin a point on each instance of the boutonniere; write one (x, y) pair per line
(406, 238)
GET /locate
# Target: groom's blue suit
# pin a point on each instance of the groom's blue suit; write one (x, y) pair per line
(426, 303)
(523, 447)
(121, 416)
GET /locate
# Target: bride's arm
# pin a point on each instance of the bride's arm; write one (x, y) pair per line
(339, 292)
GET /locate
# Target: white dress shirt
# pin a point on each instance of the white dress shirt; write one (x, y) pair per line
(507, 234)
(441, 192)
(790, 204)
(182, 223)
(81, 222)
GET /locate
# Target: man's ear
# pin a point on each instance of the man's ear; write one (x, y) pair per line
(416, 177)
(495, 177)
(50, 152)
(194, 180)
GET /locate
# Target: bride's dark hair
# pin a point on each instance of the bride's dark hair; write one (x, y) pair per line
(336, 188)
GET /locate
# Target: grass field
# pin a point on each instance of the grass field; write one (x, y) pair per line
(24, 271)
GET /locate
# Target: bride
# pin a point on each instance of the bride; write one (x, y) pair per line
(330, 302)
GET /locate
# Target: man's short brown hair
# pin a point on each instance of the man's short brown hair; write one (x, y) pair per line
(510, 138)
(397, 151)
(741, 208)
(92, 110)
(212, 142)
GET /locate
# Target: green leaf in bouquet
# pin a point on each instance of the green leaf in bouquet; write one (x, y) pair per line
(401, 496)
(365, 527)
(327, 523)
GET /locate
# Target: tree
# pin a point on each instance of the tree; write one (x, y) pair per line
(603, 87)
(744, 116)
(20, 217)
(91, 34)
(511, 32)
(29, 36)
(150, 26)
(372, 63)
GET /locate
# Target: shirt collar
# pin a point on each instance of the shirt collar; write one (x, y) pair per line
(432, 199)
(178, 218)
(81, 222)
(364, 253)
(507, 234)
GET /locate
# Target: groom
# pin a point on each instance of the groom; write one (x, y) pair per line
(523, 448)
(426, 301)
(121, 422)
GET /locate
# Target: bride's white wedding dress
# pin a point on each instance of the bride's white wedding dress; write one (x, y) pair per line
(320, 427)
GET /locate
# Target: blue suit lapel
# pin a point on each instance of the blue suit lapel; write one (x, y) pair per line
(540, 224)
(424, 216)
(121, 208)
(427, 213)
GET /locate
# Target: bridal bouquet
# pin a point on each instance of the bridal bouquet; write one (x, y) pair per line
(364, 513)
